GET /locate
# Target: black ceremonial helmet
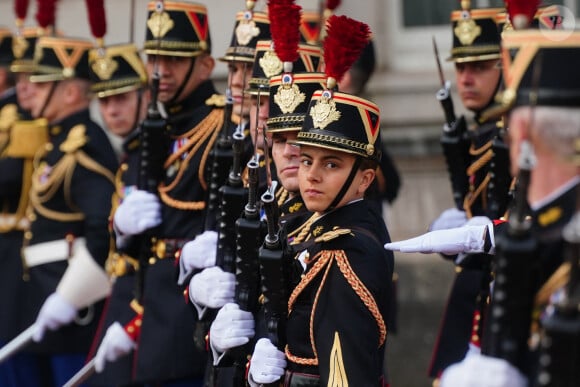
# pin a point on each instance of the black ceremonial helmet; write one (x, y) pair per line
(60, 58)
(267, 64)
(290, 98)
(23, 45)
(475, 34)
(177, 28)
(250, 28)
(558, 82)
(116, 69)
(6, 56)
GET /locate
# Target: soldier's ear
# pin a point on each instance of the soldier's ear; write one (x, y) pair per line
(206, 64)
(367, 177)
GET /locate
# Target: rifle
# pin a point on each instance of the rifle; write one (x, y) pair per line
(507, 327)
(248, 228)
(454, 138)
(153, 151)
(560, 344)
(222, 157)
(274, 272)
(498, 189)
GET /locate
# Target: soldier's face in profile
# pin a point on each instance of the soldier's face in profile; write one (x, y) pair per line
(24, 91)
(39, 104)
(174, 72)
(287, 159)
(259, 111)
(322, 174)
(240, 74)
(119, 112)
(477, 82)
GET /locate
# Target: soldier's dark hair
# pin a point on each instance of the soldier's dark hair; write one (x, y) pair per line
(368, 164)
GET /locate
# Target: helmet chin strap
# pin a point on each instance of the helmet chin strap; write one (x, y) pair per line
(185, 81)
(346, 185)
(138, 111)
(47, 99)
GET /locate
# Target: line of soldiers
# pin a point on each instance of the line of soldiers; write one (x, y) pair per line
(512, 316)
(176, 259)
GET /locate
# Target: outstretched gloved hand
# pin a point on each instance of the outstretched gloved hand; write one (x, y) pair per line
(466, 239)
(139, 211)
(267, 364)
(115, 344)
(450, 218)
(482, 371)
(212, 287)
(55, 313)
(231, 328)
(197, 254)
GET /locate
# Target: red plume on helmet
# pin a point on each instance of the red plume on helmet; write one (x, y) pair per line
(21, 10)
(45, 13)
(97, 19)
(332, 4)
(344, 42)
(285, 30)
(521, 12)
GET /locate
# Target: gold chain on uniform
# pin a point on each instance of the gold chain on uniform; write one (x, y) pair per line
(484, 158)
(326, 258)
(199, 134)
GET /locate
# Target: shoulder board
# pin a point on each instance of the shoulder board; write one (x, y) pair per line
(333, 234)
(8, 116)
(216, 100)
(75, 140)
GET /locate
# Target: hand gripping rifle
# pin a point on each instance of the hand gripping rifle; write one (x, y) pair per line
(560, 344)
(274, 272)
(507, 327)
(454, 140)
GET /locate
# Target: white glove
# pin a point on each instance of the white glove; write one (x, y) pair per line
(212, 287)
(231, 328)
(267, 364)
(476, 221)
(55, 313)
(482, 371)
(115, 344)
(450, 218)
(139, 211)
(466, 239)
(197, 254)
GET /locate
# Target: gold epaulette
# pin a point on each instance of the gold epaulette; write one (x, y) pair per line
(333, 234)
(216, 100)
(75, 139)
(47, 180)
(8, 115)
(26, 138)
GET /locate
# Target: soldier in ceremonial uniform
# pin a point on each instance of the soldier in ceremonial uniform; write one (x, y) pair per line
(289, 96)
(336, 328)
(178, 48)
(120, 83)
(544, 118)
(66, 246)
(119, 80)
(20, 138)
(250, 27)
(478, 165)
(7, 92)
